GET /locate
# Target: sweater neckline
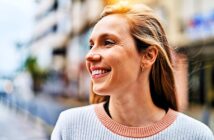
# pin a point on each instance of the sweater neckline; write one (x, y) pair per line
(136, 132)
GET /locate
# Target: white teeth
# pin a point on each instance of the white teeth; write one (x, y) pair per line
(97, 72)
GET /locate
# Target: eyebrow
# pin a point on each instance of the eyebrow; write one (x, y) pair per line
(105, 35)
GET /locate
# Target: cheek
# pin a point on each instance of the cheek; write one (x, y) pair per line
(125, 63)
(124, 68)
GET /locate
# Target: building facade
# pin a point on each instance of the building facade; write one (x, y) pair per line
(63, 28)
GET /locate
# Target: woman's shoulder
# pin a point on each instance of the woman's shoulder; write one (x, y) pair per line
(76, 117)
(77, 111)
(73, 119)
(76, 114)
(191, 125)
(185, 119)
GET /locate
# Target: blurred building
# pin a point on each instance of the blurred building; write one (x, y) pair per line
(59, 42)
(61, 35)
(190, 29)
(195, 30)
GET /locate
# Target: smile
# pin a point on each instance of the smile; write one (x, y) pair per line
(98, 73)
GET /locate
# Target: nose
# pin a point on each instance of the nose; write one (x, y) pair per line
(93, 57)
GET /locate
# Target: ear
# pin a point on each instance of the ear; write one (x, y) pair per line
(149, 56)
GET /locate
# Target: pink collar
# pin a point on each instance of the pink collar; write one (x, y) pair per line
(136, 132)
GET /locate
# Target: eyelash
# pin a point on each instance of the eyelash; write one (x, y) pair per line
(108, 42)
(90, 46)
(105, 42)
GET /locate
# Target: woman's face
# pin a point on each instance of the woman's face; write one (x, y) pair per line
(113, 61)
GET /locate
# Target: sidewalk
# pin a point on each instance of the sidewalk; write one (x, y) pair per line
(18, 126)
(42, 112)
(32, 119)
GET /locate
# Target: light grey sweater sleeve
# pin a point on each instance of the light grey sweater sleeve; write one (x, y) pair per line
(57, 131)
(72, 122)
(192, 129)
(83, 124)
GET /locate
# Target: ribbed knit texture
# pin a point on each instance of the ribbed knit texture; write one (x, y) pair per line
(135, 131)
(92, 123)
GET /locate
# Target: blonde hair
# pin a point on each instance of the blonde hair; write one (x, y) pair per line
(147, 31)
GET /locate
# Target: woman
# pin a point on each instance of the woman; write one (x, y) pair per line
(132, 76)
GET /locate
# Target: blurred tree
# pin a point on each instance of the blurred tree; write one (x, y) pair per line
(38, 75)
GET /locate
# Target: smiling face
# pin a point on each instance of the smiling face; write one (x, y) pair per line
(113, 60)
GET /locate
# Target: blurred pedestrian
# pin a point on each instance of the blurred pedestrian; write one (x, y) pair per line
(133, 88)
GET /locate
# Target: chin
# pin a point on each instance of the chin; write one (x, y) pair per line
(100, 90)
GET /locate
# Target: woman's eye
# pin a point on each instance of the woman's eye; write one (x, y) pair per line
(109, 42)
(90, 46)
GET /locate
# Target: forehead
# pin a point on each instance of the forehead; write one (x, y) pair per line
(115, 24)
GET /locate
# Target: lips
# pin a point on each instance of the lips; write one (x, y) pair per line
(98, 72)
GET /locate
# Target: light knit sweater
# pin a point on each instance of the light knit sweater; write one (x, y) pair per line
(92, 123)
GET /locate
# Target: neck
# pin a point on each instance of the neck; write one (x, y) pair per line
(135, 109)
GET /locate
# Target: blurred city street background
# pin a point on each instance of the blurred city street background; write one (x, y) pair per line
(42, 69)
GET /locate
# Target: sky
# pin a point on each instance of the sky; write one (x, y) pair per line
(16, 24)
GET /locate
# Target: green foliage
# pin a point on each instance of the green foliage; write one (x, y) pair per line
(38, 75)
